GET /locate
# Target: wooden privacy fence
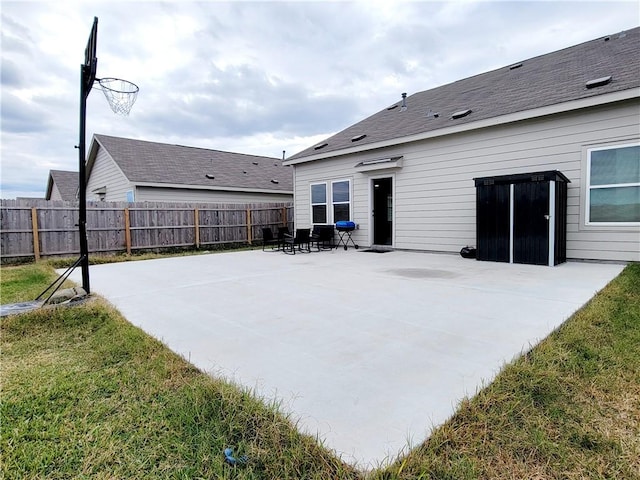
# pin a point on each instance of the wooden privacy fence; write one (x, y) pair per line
(38, 228)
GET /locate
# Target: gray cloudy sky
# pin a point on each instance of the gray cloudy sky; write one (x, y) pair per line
(253, 77)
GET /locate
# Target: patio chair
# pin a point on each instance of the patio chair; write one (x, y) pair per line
(282, 233)
(322, 237)
(268, 239)
(301, 241)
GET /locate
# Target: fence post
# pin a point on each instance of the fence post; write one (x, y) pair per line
(127, 230)
(249, 226)
(196, 218)
(284, 217)
(36, 236)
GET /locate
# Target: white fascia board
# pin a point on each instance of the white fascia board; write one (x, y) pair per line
(204, 187)
(488, 122)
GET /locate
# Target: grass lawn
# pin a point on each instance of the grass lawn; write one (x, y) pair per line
(87, 395)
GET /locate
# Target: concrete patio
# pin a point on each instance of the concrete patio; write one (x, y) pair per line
(369, 351)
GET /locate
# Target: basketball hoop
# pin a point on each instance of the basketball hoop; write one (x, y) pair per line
(121, 94)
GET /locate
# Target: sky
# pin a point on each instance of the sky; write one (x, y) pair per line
(252, 77)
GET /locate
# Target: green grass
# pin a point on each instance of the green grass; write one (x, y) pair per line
(23, 283)
(87, 395)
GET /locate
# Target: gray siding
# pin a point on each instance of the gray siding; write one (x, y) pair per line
(159, 194)
(434, 195)
(105, 172)
(55, 193)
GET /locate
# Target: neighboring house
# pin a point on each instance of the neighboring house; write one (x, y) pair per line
(62, 185)
(123, 169)
(405, 175)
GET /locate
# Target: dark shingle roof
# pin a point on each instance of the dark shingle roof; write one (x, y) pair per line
(67, 183)
(542, 81)
(150, 162)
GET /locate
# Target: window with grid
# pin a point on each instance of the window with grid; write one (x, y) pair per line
(613, 185)
(318, 203)
(341, 200)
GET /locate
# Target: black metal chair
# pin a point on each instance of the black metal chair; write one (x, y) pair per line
(268, 239)
(282, 233)
(301, 241)
(322, 236)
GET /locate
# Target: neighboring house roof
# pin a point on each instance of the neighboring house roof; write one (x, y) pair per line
(160, 164)
(67, 183)
(534, 86)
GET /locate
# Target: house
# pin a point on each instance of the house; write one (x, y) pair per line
(62, 185)
(405, 175)
(124, 169)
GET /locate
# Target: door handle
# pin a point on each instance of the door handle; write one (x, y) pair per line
(547, 217)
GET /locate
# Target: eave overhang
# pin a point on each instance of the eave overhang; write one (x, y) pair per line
(212, 187)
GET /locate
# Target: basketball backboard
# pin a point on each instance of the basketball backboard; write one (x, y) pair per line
(90, 60)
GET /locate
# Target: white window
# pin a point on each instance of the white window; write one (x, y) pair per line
(341, 200)
(613, 185)
(330, 202)
(318, 203)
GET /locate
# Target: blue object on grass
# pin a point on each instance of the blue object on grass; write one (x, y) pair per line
(231, 460)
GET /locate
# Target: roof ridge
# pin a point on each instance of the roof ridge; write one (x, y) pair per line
(529, 59)
(164, 144)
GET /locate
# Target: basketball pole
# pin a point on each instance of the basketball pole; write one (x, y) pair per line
(87, 77)
(120, 100)
(82, 180)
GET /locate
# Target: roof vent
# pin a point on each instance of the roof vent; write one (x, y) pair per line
(433, 114)
(274, 181)
(392, 107)
(320, 145)
(255, 163)
(358, 137)
(461, 113)
(244, 171)
(606, 39)
(404, 102)
(515, 65)
(598, 82)
(209, 176)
